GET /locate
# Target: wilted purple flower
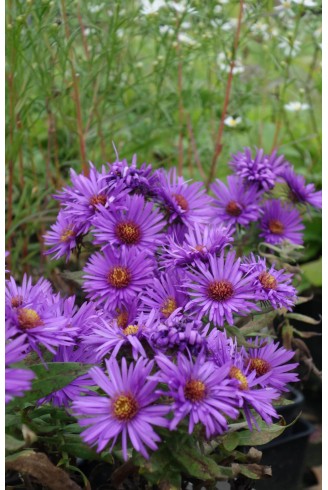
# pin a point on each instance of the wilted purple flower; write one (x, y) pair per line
(236, 203)
(128, 408)
(140, 225)
(199, 243)
(200, 390)
(164, 294)
(113, 277)
(270, 284)
(272, 360)
(80, 385)
(262, 170)
(281, 222)
(178, 332)
(218, 289)
(63, 236)
(187, 203)
(139, 180)
(299, 191)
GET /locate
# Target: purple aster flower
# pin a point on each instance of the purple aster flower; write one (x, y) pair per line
(200, 390)
(140, 225)
(113, 277)
(236, 202)
(164, 295)
(80, 385)
(17, 380)
(271, 359)
(299, 191)
(281, 222)
(88, 194)
(63, 237)
(219, 289)
(262, 170)
(40, 319)
(27, 293)
(269, 284)
(224, 352)
(199, 243)
(109, 338)
(187, 203)
(128, 407)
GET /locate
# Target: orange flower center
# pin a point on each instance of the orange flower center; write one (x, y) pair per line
(16, 301)
(233, 208)
(181, 201)
(98, 199)
(119, 277)
(268, 281)
(28, 319)
(168, 307)
(220, 290)
(128, 232)
(194, 390)
(236, 373)
(276, 227)
(259, 365)
(125, 407)
(122, 318)
(199, 248)
(131, 330)
(66, 235)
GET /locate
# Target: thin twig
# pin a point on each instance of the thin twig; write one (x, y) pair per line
(218, 144)
(180, 144)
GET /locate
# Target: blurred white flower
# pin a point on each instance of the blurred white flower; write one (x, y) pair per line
(290, 47)
(296, 106)
(149, 8)
(184, 38)
(306, 3)
(186, 25)
(223, 60)
(182, 7)
(89, 31)
(94, 9)
(232, 122)
(285, 8)
(217, 9)
(230, 25)
(166, 30)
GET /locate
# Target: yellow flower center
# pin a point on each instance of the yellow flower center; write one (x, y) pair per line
(119, 277)
(233, 208)
(194, 390)
(131, 330)
(259, 365)
(237, 374)
(276, 227)
(128, 232)
(181, 201)
(122, 318)
(268, 281)
(125, 407)
(98, 199)
(66, 235)
(220, 290)
(168, 307)
(28, 319)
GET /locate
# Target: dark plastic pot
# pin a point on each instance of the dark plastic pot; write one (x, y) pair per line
(291, 411)
(286, 456)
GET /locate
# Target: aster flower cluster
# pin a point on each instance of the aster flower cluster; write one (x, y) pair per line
(163, 281)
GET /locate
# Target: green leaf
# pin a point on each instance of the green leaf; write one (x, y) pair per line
(54, 377)
(231, 442)
(313, 272)
(201, 466)
(303, 318)
(12, 444)
(266, 433)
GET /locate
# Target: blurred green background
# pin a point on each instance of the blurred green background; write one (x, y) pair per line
(152, 77)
